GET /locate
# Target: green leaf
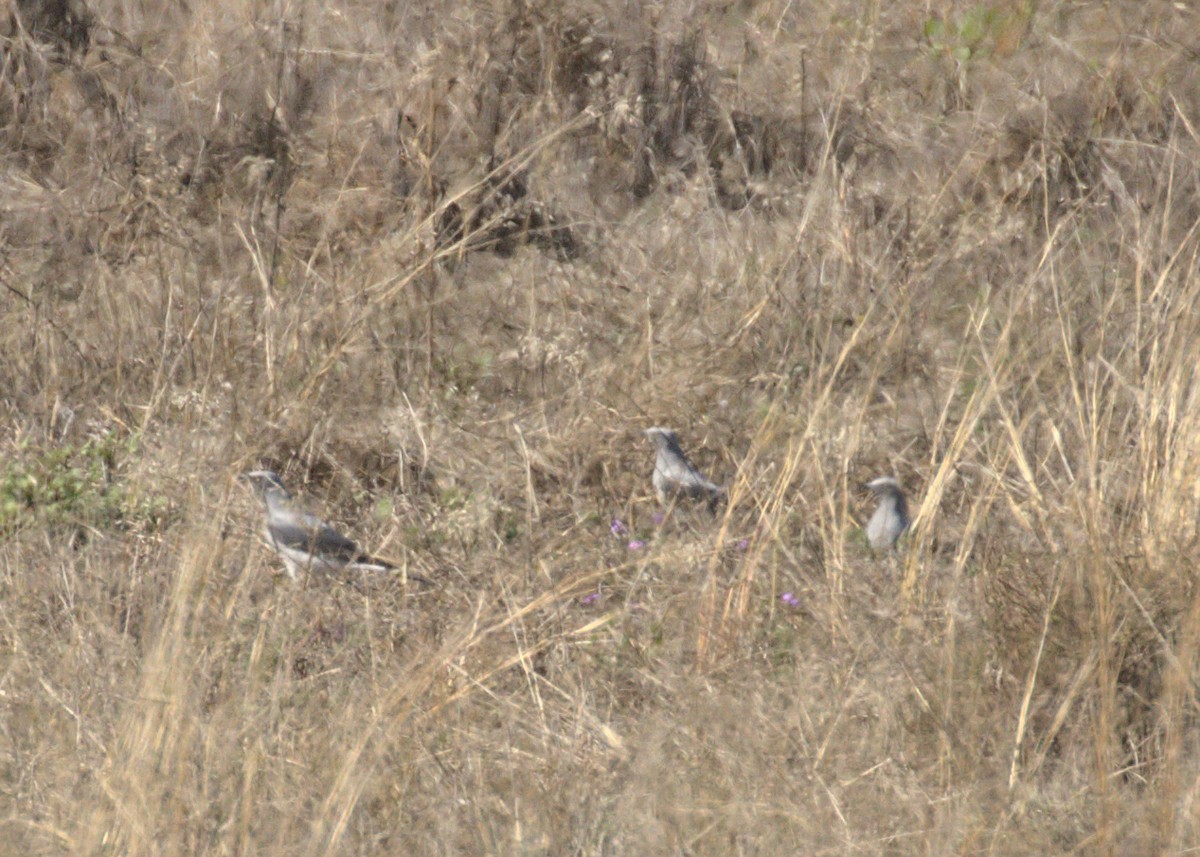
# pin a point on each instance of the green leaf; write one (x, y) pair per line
(976, 24)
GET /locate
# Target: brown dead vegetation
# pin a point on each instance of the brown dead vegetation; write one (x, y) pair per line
(439, 265)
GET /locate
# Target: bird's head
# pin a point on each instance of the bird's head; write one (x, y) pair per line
(267, 484)
(664, 438)
(882, 486)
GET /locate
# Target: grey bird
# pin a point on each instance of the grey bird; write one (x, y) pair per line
(303, 541)
(891, 515)
(674, 475)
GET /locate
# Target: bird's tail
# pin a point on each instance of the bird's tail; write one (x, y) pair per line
(382, 566)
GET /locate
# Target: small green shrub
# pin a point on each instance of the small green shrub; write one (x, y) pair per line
(73, 485)
(968, 37)
(981, 31)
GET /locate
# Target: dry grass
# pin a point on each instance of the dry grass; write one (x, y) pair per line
(439, 265)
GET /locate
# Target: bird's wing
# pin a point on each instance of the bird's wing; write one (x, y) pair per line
(694, 478)
(310, 533)
(677, 469)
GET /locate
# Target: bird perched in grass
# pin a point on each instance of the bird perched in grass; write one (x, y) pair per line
(303, 541)
(891, 515)
(674, 475)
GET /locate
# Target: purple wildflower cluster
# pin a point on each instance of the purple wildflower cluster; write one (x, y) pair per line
(617, 527)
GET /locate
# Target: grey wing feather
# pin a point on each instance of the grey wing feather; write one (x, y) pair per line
(313, 535)
(699, 482)
(685, 477)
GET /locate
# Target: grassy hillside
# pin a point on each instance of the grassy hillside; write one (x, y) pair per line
(440, 264)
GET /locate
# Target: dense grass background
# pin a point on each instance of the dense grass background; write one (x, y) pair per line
(439, 264)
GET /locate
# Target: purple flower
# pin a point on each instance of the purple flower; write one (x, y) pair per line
(617, 527)
(657, 518)
(742, 544)
(588, 600)
(790, 599)
(636, 545)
